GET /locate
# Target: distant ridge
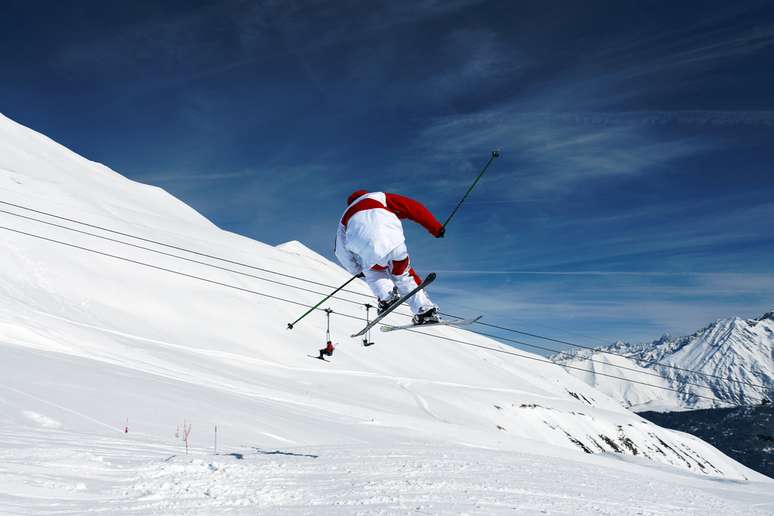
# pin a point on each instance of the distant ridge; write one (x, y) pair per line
(733, 357)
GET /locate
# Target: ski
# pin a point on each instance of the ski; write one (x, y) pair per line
(460, 322)
(319, 358)
(429, 279)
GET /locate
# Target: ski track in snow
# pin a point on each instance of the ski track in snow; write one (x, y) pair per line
(421, 402)
(39, 418)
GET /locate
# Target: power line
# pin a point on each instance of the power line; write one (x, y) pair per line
(214, 257)
(157, 251)
(163, 244)
(647, 373)
(545, 360)
(643, 360)
(163, 253)
(278, 298)
(137, 262)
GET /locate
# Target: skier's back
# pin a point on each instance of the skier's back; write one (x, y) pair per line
(370, 241)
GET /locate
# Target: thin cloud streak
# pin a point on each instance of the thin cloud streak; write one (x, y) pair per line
(197, 178)
(603, 273)
(558, 155)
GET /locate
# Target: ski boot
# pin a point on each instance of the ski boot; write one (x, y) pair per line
(427, 317)
(387, 303)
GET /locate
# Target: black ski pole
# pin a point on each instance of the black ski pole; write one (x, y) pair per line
(290, 325)
(495, 154)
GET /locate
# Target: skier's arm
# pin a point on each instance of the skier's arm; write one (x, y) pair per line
(406, 208)
(346, 258)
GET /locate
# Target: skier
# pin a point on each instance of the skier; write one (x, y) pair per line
(370, 241)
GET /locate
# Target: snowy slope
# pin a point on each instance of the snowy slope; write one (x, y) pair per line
(89, 342)
(737, 349)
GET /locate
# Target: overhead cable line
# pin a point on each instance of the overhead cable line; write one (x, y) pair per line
(643, 360)
(137, 262)
(639, 371)
(269, 271)
(164, 253)
(163, 244)
(297, 303)
(545, 360)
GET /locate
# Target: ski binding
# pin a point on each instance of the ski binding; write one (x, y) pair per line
(429, 279)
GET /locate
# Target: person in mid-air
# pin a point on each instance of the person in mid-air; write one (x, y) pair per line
(370, 241)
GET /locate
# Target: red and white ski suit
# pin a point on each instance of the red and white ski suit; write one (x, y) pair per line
(370, 240)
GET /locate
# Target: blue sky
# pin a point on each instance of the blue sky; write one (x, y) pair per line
(633, 196)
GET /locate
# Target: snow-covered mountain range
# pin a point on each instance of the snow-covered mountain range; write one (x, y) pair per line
(728, 363)
(106, 362)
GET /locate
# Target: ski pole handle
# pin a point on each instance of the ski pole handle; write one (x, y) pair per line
(290, 325)
(495, 154)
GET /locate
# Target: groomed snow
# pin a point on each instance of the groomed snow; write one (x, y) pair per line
(71, 473)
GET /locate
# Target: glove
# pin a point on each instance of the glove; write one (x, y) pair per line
(361, 275)
(441, 232)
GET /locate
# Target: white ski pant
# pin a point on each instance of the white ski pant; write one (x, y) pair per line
(396, 271)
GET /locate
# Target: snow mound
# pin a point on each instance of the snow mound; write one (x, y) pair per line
(298, 249)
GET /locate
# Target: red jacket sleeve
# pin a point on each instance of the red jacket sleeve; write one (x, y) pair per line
(406, 208)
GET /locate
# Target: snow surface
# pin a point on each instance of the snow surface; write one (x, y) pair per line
(90, 345)
(733, 358)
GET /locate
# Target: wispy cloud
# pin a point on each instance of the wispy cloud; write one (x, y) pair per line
(580, 127)
(548, 154)
(703, 43)
(239, 34)
(753, 276)
(193, 177)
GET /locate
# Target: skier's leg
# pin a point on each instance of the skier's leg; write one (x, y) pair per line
(406, 279)
(380, 282)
